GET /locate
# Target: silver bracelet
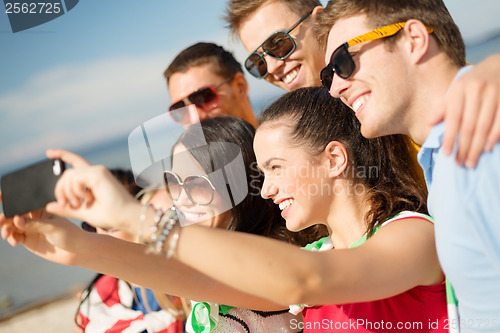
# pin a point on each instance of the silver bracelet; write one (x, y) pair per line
(173, 232)
(174, 240)
(154, 230)
(142, 221)
(166, 230)
(164, 227)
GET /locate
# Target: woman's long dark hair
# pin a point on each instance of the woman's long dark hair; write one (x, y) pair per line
(386, 165)
(253, 214)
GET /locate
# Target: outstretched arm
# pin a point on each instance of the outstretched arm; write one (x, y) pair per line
(93, 194)
(399, 257)
(472, 110)
(61, 241)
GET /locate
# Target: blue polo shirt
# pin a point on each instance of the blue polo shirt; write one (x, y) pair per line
(465, 204)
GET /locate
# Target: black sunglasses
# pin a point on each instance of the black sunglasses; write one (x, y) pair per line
(91, 228)
(341, 62)
(206, 99)
(88, 227)
(279, 46)
(199, 189)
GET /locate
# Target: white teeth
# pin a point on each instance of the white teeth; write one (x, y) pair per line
(291, 76)
(193, 216)
(285, 204)
(359, 102)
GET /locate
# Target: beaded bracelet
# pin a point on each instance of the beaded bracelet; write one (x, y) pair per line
(170, 229)
(155, 228)
(142, 221)
(171, 219)
(174, 240)
(165, 229)
(173, 233)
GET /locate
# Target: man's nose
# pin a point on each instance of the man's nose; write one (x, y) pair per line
(339, 86)
(273, 65)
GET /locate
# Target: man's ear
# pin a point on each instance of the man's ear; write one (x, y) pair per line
(418, 39)
(336, 155)
(315, 11)
(241, 85)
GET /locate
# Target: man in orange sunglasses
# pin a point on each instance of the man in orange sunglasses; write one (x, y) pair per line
(395, 63)
(282, 46)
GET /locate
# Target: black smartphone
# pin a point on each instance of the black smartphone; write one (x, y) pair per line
(30, 188)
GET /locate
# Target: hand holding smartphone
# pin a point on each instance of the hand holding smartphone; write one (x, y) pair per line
(30, 188)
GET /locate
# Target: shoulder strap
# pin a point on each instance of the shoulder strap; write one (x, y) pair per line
(408, 215)
(400, 216)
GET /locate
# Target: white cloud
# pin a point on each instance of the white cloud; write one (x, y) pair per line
(81, 104)
(85, 104)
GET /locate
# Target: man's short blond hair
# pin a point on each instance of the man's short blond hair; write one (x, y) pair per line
(238, 10)
(432, 13)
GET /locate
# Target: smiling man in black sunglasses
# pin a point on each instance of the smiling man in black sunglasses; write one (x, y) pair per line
(278, 36)
(209, 82)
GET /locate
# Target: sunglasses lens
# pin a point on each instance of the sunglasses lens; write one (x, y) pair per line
(342, 62)
(327, 77)
(173, 186)
(199, 190)
(88, 227)
(205, 99)
(256, 65)
(279, 45)
(176, 106)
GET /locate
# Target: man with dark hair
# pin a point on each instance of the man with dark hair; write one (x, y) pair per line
(394, 62)
(207, 79)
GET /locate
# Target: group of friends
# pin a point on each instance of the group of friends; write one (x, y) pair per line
(348, 233)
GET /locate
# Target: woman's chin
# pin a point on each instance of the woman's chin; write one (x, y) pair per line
(293, 226)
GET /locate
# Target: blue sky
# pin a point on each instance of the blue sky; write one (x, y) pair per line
(95, 73)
